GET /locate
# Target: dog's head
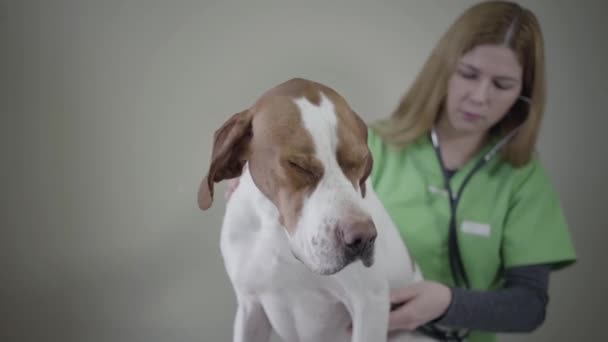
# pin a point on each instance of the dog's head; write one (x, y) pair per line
(307, 153)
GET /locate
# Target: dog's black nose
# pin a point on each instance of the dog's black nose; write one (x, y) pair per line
(358, 236)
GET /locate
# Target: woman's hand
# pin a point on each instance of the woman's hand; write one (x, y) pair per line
(422, 302)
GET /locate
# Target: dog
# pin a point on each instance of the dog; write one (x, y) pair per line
(306, 242)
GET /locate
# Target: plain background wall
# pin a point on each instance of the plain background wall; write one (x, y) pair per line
(108, 109)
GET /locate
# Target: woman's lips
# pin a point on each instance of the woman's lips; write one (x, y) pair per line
(470, 116)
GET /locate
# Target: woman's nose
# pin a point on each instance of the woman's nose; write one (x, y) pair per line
(481, 92)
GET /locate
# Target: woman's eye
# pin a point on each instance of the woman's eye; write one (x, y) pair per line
(467, 74)
(502, 86)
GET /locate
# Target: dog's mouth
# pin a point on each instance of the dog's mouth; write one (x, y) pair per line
(341, 261)
(364, 253)
(332, 258)
(366, 256)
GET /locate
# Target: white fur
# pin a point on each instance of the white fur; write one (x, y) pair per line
(277, 292)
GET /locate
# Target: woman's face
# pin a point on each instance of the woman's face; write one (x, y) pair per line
(486, 83)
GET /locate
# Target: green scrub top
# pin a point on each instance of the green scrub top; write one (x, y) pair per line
(506, 216)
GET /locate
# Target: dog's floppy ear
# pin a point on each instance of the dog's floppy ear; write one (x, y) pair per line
(369, 161)
(228, 156)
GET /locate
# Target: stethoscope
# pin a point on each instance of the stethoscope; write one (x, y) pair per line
(459, 275)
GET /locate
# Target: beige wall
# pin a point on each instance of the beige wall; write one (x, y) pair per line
(108, 108)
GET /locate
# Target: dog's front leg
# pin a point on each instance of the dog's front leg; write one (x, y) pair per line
(370, 319)
(251, 323)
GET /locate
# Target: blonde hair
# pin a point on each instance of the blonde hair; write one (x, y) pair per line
(490, 22)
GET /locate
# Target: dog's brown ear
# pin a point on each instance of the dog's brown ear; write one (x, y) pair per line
(228, 155)
(369, 162)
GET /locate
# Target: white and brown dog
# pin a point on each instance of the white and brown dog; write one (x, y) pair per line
(307, 244)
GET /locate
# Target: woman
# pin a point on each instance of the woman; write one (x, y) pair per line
(472, 117)
(482, 88)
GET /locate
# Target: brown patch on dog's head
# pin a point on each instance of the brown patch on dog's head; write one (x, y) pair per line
(282, 159)
(353, 153)
(271, 138)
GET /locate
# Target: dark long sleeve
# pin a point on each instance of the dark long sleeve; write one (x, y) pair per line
(519, 306)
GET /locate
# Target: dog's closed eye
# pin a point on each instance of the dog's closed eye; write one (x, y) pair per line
(300, 167)
(303, 166)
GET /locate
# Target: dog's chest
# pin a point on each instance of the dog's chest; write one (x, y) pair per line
(306, 315)
(262, 268)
